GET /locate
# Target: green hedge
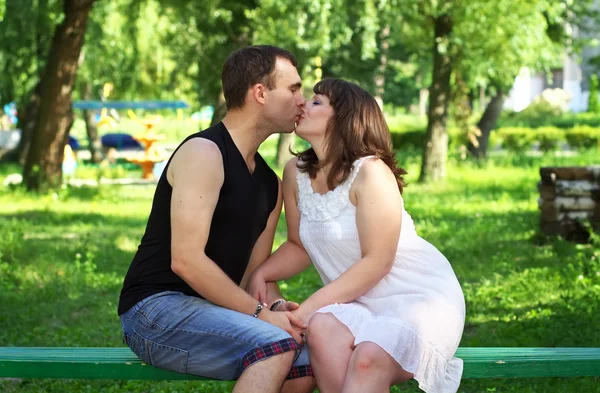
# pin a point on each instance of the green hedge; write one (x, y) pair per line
(415, 138)
(516, 139)
(549, 138)
(583, 136)
(532, 120)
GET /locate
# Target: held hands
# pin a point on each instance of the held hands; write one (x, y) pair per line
(283, 318)
(301, 313)
(286, 321)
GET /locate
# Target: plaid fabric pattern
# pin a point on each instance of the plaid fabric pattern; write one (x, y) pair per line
(300, 371)
(258, 354)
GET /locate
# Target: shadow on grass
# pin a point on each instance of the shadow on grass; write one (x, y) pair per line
(40, 238)
(567, 322)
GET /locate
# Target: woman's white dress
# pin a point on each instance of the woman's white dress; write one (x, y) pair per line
(416, 313)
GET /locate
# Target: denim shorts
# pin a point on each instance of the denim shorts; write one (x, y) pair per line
(190, 335)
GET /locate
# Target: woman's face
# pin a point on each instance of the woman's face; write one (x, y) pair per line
(313, 121)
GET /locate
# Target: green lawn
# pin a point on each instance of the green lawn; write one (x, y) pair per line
(63, 257)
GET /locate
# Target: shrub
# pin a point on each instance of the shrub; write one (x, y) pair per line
(593, 105)
(516, 139)
(583, 137)
(548, 137)
(567, 120)
(415, 139)
(408, 139)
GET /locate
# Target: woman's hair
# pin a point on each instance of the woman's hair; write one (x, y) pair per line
(356, 129)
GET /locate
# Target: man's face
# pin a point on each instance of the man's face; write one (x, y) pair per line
(284, 103)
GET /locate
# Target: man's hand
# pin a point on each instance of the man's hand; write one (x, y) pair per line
(286, 321)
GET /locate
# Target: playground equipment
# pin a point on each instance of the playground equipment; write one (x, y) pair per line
(153, 154)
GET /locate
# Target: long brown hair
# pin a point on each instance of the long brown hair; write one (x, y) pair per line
(356, 129)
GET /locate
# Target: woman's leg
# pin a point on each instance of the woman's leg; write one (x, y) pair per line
(330, 346)
(372, 369)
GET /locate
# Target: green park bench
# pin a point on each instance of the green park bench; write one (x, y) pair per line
(122, 364)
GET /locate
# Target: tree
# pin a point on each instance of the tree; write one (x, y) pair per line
(433, 164)
(593, 105)
(25, 37)
(42, 168)
(481, 44)
(537, 35)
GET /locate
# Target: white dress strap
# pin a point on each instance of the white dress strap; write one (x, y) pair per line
(355, 168)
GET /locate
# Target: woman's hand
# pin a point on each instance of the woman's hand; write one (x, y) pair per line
(302, 313)
(257, 287)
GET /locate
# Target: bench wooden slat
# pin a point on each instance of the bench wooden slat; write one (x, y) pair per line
(122, 364)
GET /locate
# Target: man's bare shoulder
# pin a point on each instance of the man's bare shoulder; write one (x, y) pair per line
(197, 155)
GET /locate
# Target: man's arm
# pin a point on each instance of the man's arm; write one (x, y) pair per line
(196, 175)
(263, 247)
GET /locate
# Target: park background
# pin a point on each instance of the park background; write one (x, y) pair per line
(478, 95)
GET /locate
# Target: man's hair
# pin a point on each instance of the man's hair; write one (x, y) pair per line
(248, 66)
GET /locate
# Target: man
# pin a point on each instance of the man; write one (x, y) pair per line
(213, 220)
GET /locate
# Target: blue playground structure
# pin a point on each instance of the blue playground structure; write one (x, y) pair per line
(151, 105)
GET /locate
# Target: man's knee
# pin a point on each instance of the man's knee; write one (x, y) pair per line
(277, 363)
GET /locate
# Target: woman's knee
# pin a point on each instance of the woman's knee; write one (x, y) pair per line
(321, 328)
(369, 358)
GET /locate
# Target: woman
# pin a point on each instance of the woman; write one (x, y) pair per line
(391, 308)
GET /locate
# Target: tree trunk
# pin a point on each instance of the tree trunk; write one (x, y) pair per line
(43, 167)
(486, 124)
(283, 148)
(94, 143)
(383, 61)
(220, 110)
(28, 123)
(423, 96)
(433, 166)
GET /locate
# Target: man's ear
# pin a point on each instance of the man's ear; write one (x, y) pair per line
(259, 93)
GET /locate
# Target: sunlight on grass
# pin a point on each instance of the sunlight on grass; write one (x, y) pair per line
(63, 257)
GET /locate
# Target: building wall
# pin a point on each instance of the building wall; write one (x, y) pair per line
(575, 75)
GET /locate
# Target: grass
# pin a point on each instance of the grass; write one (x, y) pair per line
(63, 257)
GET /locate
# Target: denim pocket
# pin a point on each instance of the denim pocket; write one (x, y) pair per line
(159, 355)
(138, 345)
(167, 357)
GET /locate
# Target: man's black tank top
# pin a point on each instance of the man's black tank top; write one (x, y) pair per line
(245, 202)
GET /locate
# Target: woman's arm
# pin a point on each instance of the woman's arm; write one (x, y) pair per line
(379, 219)
(290, 258)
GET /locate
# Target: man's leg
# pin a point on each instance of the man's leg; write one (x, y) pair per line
(265, 376)
(191, 335)
(300, 379)
(299, 385)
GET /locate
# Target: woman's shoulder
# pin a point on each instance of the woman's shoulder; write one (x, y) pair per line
(374, 171)
(372, 166)
(289, 170)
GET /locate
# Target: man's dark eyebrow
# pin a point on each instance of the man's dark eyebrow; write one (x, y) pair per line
(296, 85)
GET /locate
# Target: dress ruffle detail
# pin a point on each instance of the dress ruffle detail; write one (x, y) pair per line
(434, 370)
(321, 207)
